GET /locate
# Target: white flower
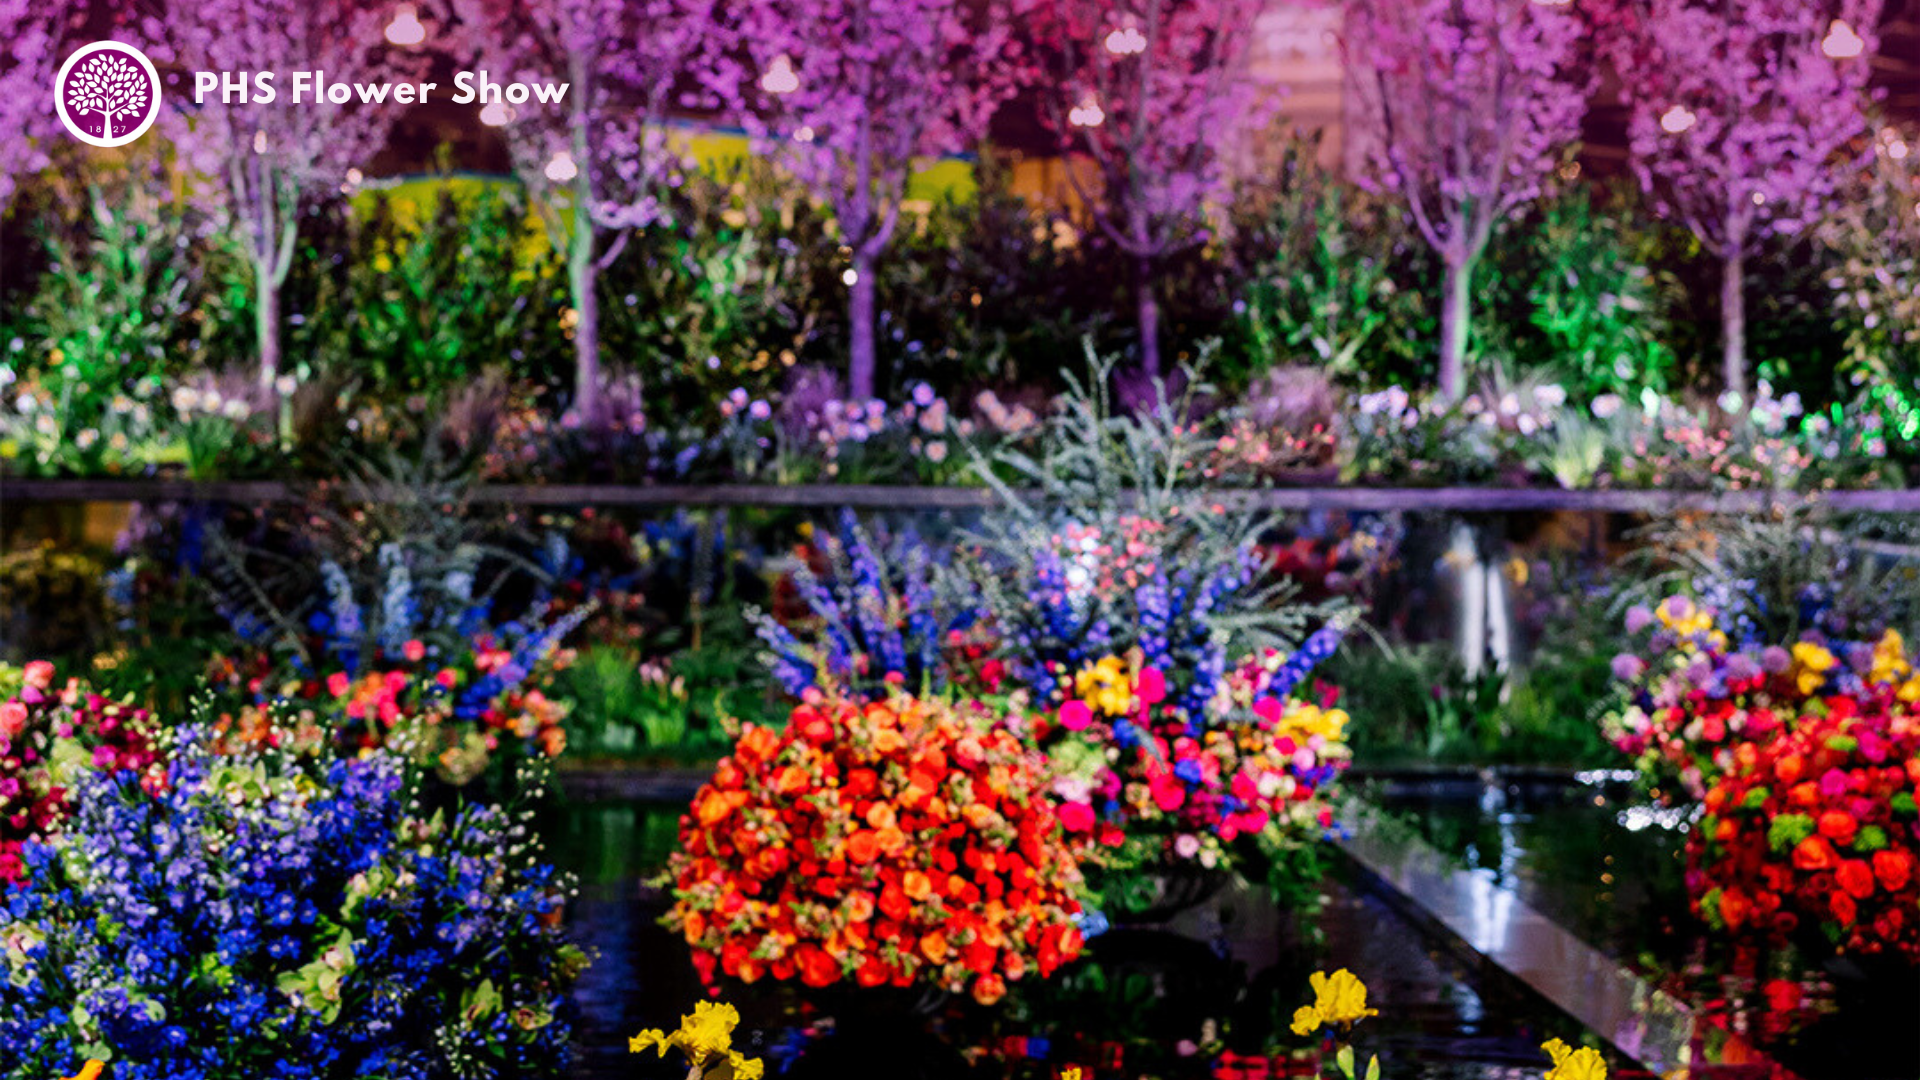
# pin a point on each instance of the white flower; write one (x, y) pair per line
(24, 403)
(1606, 405)
(1186, 845)
(285, 385)
(1509, 403)
(1731, 401)
(185, 398)
(1550, 396)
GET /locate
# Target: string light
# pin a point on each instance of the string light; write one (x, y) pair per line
(406, 30)
(562, 169)
(1087, 114)
(780, 77)
(1841, 42)
(496, 114)
(1677, 119)
(1126, 41)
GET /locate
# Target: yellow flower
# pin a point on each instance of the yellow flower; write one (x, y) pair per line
(1889, 659)
(1340, 998)
(1306, 1020)
(652, 1037)
(1813, 662)
(1071, 1072)
(1570, 1064)
(709, 1031)
(90, 1071)
(706, 1037)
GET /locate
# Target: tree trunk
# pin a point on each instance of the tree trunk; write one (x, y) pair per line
(1149, 314)
(860, 367)
(1455, 319)
(266, 322)
(583, 279)
(1733, 324)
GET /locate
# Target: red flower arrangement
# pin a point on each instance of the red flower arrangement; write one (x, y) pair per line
(882, 843)
(46, 737)
(1817, 821)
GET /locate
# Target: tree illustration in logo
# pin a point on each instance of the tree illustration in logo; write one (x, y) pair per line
(108, 84)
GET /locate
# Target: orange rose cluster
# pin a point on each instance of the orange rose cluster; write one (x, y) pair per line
(1819, 823)
(887, 843)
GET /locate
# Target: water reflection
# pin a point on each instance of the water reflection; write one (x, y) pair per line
(1205, 993)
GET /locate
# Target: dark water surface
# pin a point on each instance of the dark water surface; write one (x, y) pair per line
(1610, 869)
(1155, 1000)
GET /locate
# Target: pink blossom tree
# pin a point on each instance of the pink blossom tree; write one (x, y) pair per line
(263, 161)
(605, 148)
(1473, 103)
(27, 67)
(1151, 93)
(851, 92)
(1741, 109)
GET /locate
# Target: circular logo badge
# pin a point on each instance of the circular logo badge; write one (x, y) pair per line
(107, 94)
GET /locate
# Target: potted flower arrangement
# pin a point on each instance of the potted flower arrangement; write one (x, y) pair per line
(1173, 800)
(1803, 761)
(900, 843)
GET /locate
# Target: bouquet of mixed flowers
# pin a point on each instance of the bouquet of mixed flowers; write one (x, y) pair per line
(270, 911)
(48, 738)
(1139, 772)
(1804, 761)
(1818, 822)
(879, 843)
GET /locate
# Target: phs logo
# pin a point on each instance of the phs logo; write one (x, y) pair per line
(107, 94)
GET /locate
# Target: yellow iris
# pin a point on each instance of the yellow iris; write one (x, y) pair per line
(1813, 662)
(1570, 1064)
(1340, 998)
(706, 1037)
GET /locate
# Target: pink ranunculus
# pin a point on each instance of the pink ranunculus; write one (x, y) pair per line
(1153, 687)
(1075, 715)
(1076, 817)
(338, 684)
(414, 650)
(39, 674)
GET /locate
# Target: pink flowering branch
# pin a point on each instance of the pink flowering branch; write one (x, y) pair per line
(850, 93)
(1150, 94)
(606, 147)
(27, 67)
(1473, 103)
(264, 160)
(1739, 118)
